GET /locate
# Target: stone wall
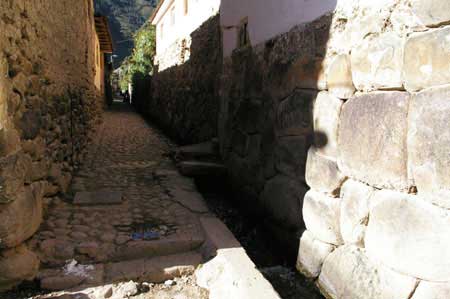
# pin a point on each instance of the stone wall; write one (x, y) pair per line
(184, 98)
(266, 122)
(355, 105)
(48, 103)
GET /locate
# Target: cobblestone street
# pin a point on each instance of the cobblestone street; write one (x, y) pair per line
(129, 240)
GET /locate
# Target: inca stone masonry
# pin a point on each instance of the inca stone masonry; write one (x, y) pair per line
(333, 119)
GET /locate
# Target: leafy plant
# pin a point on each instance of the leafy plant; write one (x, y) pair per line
(141, 60)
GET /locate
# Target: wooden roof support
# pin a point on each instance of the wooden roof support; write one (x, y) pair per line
(104, 35)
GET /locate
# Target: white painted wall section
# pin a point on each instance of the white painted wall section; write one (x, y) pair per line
(174, 22)
(267, 18)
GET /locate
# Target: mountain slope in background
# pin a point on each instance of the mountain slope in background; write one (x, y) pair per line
(125, 18)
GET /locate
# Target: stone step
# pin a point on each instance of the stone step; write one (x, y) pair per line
(154, 270)
(170, 245)
(199, 168)
(54, 253)
(201, 151)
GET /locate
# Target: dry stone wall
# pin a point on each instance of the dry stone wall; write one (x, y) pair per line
(184, 99)
(48, 103)
(340, 126)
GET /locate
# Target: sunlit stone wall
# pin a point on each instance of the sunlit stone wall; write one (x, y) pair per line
(48, 103)
(340, 126)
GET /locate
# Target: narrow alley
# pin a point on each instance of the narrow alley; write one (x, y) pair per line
(223, 149)
(130, 224)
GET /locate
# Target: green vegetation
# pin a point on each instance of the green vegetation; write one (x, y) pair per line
(140, 62)
(125, 18)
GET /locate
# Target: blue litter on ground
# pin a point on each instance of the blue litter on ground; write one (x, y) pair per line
(149, 235)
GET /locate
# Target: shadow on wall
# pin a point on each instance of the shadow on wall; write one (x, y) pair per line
(184, 99)
(267, 123)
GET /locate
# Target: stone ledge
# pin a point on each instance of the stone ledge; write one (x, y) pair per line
(231, 273)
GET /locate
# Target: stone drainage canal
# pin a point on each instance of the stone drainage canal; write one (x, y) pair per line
(277, 266)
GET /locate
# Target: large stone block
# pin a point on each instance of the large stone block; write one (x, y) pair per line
(427, 60)
(321, 216)
(428, 143)
(290, 156)
(354, 213)
(282, 197)
(377, 63)
(372, 139)
(327, 109)
(16, 265)
(294, 114)
(13, 170)
(432, 290)
(415, 236)
(311, 255)
(322, 174)
(432, 13)
(21, 218)
(348, 273)
(339, 77)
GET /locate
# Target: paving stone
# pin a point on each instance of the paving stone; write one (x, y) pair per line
(101, 228)
(98, 198)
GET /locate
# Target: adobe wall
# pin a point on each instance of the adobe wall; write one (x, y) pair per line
(340, 126)
(48, 103)
(184, 98)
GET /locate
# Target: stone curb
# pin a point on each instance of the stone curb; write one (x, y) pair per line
(230, 273)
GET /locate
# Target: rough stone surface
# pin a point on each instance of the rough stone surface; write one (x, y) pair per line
(311, 255)
(21, 218)
(157, 215)
(431, 290)
(282, 196)
(321, 216)
(98, 198)
(377, 63)
(426, 59)
(373, 127)
(48, 105)
(339, 77)
(327, 109)
(354, 213)
(415, 235)
(184, 98)
(432, 13)
(348, 273)
(231, 274)
(428, 139)
(16, 265)
(322, 174)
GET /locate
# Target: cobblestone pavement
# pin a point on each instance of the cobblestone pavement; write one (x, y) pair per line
(127, 156)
